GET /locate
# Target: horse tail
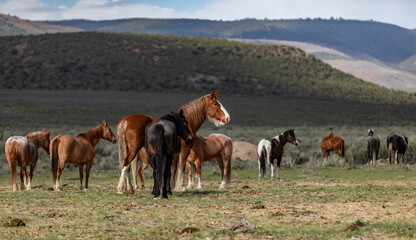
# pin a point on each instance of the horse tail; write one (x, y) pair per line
(122, 147)
(263, 160)
(54, 157)
(159, 147)
(374, 148)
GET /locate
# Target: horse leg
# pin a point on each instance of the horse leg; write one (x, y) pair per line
(271, 165)
(324, 156)
(166, 176)
(125, 177)
(87, 174)
(220, 162)
(279, 160)
(181, 168)
(198, 173)
(173, 170)
(226, 159)
(143, 167)
(32, 169)
(58, 175)
(81, 174)
(22, 185)
(189, 167)
(133, 168)
(156, 190)
(396, 157)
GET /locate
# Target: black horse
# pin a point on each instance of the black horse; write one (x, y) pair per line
(270, 149)
(373, 147)
(161, 141)
(397, 144)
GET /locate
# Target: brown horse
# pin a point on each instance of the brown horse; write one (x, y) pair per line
(78, 150)
(131, 133)
(23, 151)
(330, 143)
(203, 149)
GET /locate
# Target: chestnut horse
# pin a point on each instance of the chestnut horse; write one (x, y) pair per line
(131, 133)
(161, 143)
(269, 150)
(78, 150)
(330, 143)
(23, 151)
(203, 149)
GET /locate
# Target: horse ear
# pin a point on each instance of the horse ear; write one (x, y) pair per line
(213, 94)
(49, 132)
(43, 130)
(104, 123)
(181, 112)
(171, 112)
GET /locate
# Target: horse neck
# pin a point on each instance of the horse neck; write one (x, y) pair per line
(283, 139)
(195, 114)
(35, 139)
(94, 135)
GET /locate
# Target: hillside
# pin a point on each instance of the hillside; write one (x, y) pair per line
(359, 39)
(375, 72)
(11, 25)
(92, 60)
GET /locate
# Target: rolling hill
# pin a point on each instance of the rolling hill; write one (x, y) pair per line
(11, 25)
(108, 61)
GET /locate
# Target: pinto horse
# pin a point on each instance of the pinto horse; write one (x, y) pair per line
(330, 143)
(203, 149)
(373, 147)
(270, 149)
(131, 134)
(23, 151)
(161, 143)
(397, 144)
(78, 150)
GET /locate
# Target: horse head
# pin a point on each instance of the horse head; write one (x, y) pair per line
(291, 137)
(370, 132)
(47, 140)
(107, 133)
(215, 111)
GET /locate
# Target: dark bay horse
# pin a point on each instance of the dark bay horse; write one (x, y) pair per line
(203, 149)
(330, 143)
(23, 151)
(161, 143)
(269, 150)
(373, 147)
(397, 144)
(78, 150)
(131, 133)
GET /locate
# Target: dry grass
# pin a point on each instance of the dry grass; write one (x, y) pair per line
(323, 203)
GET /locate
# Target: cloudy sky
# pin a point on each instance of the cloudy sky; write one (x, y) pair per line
(398, 12)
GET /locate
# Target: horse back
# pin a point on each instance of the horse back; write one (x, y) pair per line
(74, 149)
(17, 149)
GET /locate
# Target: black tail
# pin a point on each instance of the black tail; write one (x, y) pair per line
(159, 147)
(263, 161)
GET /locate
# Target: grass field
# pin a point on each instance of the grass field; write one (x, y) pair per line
(313, 203)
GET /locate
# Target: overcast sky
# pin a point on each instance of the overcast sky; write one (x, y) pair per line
(398, 12)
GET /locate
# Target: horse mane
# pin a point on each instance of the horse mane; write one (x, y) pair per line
(93, 135)
(194, 113)
(36, 137)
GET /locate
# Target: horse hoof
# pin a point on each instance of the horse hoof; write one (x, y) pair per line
(156, 198)
(118, 192)
(170, 193)
(85, 189)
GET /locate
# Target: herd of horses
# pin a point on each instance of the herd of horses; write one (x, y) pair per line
(169, 144)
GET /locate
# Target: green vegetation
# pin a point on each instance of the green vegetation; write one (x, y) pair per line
(324, 203)
(107, 61)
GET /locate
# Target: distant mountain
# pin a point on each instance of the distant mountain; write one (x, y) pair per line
(108, 61)
(10, 25)
(360, 39)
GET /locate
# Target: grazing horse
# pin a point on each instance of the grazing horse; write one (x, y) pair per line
(398, 144)
(161, 143)
(78, 150)
(131, 134)
(203, 149)
(373, 147)
(270, 149)
(330, 143)
(23, 151)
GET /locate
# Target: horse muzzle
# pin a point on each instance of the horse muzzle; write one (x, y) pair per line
(114, 141)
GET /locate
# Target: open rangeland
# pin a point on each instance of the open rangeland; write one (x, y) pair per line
(325, 203)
